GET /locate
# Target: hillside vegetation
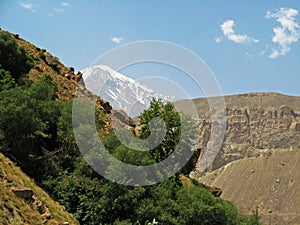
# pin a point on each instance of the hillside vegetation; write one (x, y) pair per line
(36, 132)
(38, 209)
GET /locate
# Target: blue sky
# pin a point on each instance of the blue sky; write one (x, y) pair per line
(249, 45)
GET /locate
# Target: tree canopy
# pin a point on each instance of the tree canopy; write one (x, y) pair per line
(14, 58)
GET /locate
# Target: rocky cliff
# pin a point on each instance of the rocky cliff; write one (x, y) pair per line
(258, 163)
(255, 122)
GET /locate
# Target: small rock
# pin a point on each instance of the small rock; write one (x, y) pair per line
(107, 107)
(270, 211)
(277, 181)
(252, 171)
(47, 215)
(214, 190)
(39, 206)
(66, 223)
(24, 193)
(282, 163)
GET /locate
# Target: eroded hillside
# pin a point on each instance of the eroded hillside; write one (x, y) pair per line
(270, 182)
(258, 164)
(255, 122)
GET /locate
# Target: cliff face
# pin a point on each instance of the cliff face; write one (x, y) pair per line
(255, 122)
(251, 130)
(258, 164)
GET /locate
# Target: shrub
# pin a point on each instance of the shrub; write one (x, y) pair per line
(14, 58)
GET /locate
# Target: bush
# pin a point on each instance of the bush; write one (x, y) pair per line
(14, 58)
(6, 80)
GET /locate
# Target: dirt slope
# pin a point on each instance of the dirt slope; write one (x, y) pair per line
(270, 182)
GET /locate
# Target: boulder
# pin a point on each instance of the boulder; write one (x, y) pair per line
(22, 192)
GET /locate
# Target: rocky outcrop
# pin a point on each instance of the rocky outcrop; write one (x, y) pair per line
(255, 122)
(257, 166)
(22, 192)
(251, 130)
(119, 118)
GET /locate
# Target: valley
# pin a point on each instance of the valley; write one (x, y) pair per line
(256, 167)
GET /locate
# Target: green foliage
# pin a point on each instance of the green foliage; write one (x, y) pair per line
(181, 133)
(36, 130)
(28, 119)
(6, 80)
(95, 200)
(14, 58)
(178, 128)
(124, 153)
(172, 121)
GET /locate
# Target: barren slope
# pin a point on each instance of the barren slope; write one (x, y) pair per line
(270, 182)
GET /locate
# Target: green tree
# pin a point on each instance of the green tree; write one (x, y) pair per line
(28, 119)
(14, 58)
(177, 127)
(6, 80)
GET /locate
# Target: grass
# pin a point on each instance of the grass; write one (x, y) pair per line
(14, 210)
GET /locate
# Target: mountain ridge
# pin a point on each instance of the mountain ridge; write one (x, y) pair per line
(122, 92)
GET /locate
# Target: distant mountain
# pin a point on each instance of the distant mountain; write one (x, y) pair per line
(120, 91)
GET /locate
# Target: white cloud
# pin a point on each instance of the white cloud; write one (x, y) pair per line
(285, 34)
(117, 40)
(228, 31)
(65, 4)
(28, 6)
(59, 10)
(218, 39)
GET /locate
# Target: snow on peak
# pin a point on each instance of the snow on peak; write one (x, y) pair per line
(119, 90)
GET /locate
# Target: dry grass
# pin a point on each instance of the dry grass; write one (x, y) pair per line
(14, 210)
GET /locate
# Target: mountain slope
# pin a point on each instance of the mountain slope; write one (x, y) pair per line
(270, 182)
(17, 208)
(255, 121)
(122, 92)
(257, 165)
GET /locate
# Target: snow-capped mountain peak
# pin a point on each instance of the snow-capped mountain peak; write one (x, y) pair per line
(121, 91)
